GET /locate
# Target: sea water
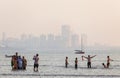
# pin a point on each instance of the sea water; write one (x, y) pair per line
(52, 65)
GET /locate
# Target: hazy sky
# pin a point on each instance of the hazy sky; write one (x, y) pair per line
(98, 19)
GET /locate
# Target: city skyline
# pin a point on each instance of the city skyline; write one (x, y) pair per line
(26, 35)
(65, 40)
(99, 20)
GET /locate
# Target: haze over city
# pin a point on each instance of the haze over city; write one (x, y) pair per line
(98, 19)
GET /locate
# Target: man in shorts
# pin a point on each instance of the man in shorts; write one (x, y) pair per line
(36, 59)
(89, 60)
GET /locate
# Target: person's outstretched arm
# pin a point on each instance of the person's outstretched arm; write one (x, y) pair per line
(82, 58)
(111, 60)
(85, 57)
(93, 56)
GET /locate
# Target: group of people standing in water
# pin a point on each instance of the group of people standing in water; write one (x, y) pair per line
(88, 61)
(18, 63)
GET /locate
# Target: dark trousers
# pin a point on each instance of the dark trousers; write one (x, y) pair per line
(66, 65)
(89, 64)
(76, 66)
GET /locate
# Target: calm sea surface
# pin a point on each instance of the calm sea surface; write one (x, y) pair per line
(51, 65)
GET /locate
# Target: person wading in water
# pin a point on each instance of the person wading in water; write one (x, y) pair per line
(89, 60)
(36, 64)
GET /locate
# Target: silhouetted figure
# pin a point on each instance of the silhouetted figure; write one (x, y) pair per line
(89, 60)
(36, 59)
(24, 63)
(76, 63)
(66, 62)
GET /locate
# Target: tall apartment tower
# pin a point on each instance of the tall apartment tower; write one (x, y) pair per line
(66, 35)
(75, 41)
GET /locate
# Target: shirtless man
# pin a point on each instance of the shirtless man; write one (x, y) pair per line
(89, 60)
(36, 65)
(108, 62)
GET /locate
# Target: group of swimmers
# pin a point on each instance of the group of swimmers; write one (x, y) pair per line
(19, 63)
(88, 61)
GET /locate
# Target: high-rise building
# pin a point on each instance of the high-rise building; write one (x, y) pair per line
(23, 37)
(43, 37)
(66, 35)
(43, 40)
(65, 31)
(58, 42)
(75, 41)
(50, 37)
(50, 41)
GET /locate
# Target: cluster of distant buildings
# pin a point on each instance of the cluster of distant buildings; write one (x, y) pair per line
(65, 40)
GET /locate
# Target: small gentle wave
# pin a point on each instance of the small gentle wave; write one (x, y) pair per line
(70, 66)
(69, 75)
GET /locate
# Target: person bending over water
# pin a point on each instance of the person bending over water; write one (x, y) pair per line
(89, 60)
(108, 62)
(66, 62)
(76, 63)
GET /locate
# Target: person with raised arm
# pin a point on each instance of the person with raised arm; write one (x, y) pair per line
(108, 62)
(88, 60)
